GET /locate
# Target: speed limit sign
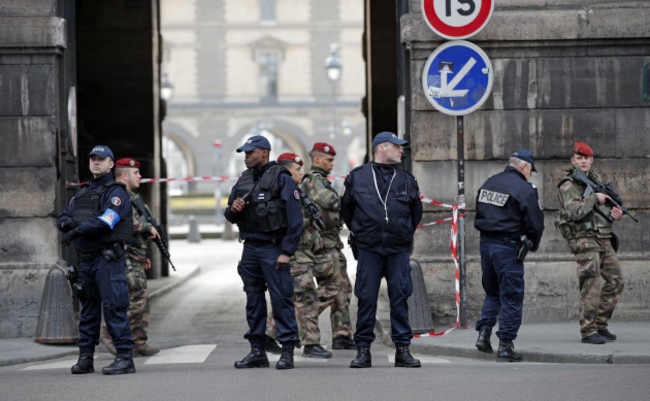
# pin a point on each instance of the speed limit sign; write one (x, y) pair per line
(457, 19)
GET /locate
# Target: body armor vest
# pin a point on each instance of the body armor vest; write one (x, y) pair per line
(87, 205)
(266, 212)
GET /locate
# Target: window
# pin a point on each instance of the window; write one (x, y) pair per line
(267, 10)
(268, 62)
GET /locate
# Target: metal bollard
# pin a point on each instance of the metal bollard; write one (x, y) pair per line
(194, 235)
(57, 321)
(418, 303)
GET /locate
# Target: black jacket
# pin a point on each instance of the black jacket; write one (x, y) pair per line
(363, 210)
(507, 205)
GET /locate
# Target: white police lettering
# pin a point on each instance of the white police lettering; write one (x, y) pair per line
(493, 198)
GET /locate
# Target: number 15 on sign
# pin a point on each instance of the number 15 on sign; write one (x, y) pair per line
(457, 19)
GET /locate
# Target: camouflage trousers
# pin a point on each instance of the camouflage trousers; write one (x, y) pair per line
(601, 283)
(336, 293)
(311, 298)
(138, 311)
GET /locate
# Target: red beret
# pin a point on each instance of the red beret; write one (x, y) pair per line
(127, 162)
(325, 148)
(292, 157)
(582, 148)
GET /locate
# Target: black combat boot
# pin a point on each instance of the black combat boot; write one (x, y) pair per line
(483, 343)
(404, 359)
(363, 359)
(595, 338)
(342, 342)
(286, 359)
(255, 359)
(85, 364)
(316, 351)
(506, 352)
(122, 364)
(607, 335)
(271, 346)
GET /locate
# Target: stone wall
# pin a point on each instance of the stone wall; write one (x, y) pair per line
(32, 40)
(563, 72)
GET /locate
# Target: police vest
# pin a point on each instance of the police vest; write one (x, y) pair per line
(592, 225)
(87, 206)
(265, 212)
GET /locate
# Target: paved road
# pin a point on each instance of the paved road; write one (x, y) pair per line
(200, 327)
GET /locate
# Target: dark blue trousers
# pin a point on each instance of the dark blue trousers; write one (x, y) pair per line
(371, 267)
(503, 282)
(259, 261)
(110, 294)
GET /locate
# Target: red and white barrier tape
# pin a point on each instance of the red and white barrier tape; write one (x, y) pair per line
(424, 199)
(187, 179)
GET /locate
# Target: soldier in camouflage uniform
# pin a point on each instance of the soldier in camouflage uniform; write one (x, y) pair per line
(127, 171)
(590, 238)
(334, 287)
(308, 262)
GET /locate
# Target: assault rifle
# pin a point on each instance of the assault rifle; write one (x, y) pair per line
(606, 189)
(161, 242)
(313, 210)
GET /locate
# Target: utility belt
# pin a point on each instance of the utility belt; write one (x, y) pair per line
(514, 238)
(112, 252)
(522, 242)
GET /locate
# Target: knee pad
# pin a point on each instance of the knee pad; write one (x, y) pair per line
(251, 284)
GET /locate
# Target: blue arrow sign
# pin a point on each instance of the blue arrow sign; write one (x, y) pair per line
(457, 78)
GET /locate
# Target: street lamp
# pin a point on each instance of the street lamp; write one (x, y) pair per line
(166, 87)
(333, 67)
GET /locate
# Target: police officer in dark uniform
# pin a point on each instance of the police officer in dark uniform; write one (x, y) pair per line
(265, 205)
(511, 222)
(99, 220)
(382, 208)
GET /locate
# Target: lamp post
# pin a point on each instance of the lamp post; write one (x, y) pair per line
(333, 67)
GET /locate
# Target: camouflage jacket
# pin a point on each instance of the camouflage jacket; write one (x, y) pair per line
(576, 215)
(318, 187)
(311, 242)
(141, 231)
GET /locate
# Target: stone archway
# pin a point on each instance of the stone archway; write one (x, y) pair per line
(284, 137)
(179, 157)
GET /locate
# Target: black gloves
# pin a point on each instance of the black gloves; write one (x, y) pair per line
(69, 236)
(69, 224)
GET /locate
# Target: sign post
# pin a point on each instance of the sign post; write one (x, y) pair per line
(457, 79)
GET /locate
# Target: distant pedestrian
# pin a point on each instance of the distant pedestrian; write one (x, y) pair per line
(99, 221)
(592, 241)
(265, 205)
(381, 206)
(127, 171)
(511, 222)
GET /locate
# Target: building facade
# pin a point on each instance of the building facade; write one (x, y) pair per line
(245, 67)
(563, 72)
